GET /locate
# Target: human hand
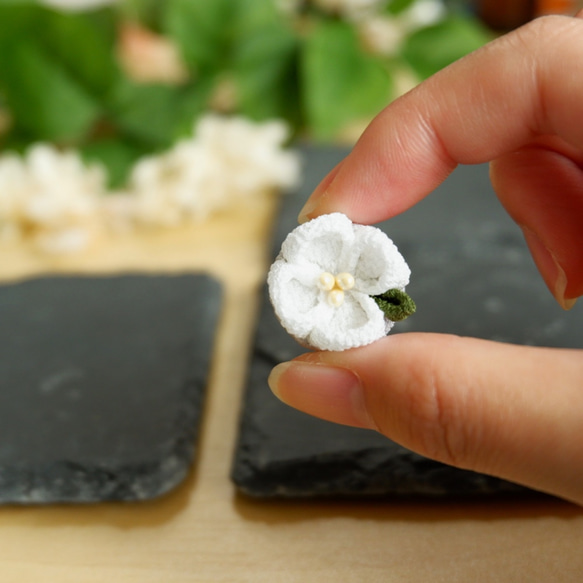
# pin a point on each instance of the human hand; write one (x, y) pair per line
(510, 411)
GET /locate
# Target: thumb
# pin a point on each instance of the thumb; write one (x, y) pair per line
(509, 411)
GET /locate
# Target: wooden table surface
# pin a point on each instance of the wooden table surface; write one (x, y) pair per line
(205, 532)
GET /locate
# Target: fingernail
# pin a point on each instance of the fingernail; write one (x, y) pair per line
(309, 208)
(331, 393)
(316, 197)
(549, 267)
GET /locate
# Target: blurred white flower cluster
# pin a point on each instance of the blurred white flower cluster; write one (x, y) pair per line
(228, 158)
(57, 201)
(51, 197)
(380, 32)
(76, 5)
(349, 8)
(383, 34)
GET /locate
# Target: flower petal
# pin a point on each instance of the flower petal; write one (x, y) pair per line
(331, 243)
(357, 322)
(295, 296)
(324, 241)
(377, 264)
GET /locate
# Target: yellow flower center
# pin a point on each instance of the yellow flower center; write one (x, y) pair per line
(336, 285)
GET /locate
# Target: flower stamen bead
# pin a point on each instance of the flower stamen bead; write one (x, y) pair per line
(336, 297)
(326, 283)
(335, 286)
(345, 281)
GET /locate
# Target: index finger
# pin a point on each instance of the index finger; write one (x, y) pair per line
(526, 84)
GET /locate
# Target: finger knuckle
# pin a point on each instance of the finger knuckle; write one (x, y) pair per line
(543, 33)
(438, 425)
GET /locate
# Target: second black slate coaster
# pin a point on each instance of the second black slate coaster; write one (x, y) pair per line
(101, 384)
(471, 275)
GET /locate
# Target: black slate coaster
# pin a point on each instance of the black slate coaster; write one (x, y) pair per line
(101, 384)
(471, 275)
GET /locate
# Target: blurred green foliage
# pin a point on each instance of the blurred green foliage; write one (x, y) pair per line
(60, 79)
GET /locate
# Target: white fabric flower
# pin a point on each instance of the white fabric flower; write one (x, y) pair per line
(322, 282)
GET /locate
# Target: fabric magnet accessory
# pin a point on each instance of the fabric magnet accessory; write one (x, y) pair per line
(337, 285)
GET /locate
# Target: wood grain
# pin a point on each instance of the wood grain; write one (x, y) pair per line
(205, 532)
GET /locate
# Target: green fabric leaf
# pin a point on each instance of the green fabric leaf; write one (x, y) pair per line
(43, 99)
(340, 82)
(431, 49)
(395, 304)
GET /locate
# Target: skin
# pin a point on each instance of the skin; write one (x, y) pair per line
(511, 411)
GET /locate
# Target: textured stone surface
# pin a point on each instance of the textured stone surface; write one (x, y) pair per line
(101, 384)
(471, 275)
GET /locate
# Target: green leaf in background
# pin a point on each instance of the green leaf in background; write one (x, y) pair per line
(193, 101)
(265, 62)
(253, 15)
(147, 12)
(266, 73)
(201, 30)
(61, 82)
(147, 113)
(340, 82)
(16, 17)
(43, 99)
(53, 70)
(397, 6)
(117, 156)
(84, 43)
(431, 49)
(156, 115)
